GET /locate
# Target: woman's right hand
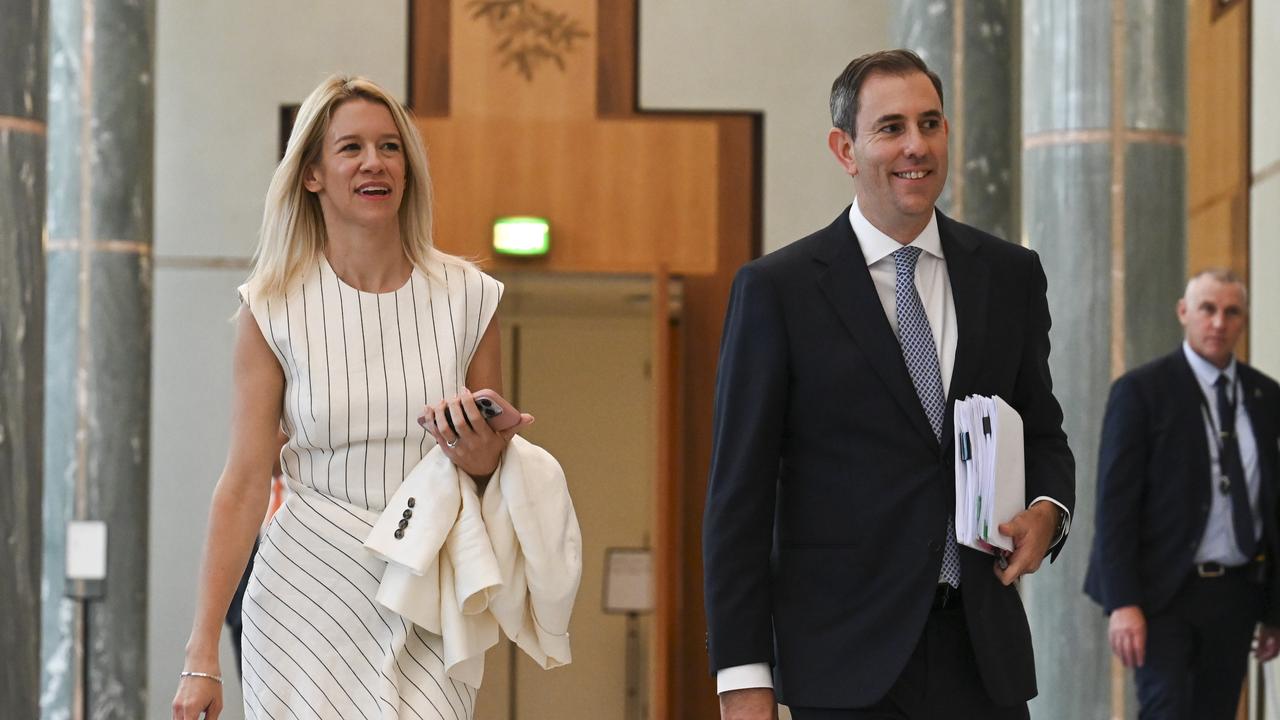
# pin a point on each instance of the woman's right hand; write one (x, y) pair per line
(472, 445)
(198, 695)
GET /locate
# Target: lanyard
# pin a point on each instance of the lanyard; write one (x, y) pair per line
(1219, 437)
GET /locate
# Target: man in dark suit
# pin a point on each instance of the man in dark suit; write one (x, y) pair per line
(1184, 555)
(833, 580)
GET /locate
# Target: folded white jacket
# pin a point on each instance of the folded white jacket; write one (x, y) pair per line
(467, 565)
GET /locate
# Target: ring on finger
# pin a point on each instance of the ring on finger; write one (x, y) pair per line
(452, 443)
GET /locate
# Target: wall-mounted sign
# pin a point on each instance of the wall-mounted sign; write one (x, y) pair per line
(86, 550)
(521, 235)
(628, 580)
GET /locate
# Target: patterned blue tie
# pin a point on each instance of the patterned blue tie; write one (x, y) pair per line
(916, 338)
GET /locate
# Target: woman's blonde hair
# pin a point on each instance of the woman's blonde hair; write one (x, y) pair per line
(293, 234)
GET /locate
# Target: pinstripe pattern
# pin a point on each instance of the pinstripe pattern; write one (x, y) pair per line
(358, 368)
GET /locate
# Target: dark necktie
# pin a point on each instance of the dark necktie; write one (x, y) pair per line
(1233, 468)
(921, 355)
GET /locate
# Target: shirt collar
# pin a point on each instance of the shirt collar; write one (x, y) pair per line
(1206, 372)
(877, 246)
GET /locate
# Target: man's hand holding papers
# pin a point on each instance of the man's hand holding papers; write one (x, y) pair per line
(1032, 533)
(991, 512)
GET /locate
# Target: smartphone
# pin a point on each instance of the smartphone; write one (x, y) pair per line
(499, 413)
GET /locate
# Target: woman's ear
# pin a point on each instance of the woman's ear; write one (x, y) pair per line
(311, 179)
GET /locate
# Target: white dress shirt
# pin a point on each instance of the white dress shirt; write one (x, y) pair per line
(1219, 541)
(934, 286)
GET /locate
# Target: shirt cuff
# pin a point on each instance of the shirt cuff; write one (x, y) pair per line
(1066, 523)
(741, 677)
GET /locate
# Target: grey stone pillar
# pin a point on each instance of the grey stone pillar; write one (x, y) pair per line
(23, 55)
(97, 380)
(972, 45)
(1103, 189)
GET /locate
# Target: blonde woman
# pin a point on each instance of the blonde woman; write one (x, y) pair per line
(352, 326)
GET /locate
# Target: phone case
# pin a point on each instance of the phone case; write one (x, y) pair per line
(499, 413)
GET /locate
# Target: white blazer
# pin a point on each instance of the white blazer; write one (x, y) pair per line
(467, 565)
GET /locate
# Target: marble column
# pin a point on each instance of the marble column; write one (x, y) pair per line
(972, 45)
(23, 55)
(97, 377)
(1103, 193)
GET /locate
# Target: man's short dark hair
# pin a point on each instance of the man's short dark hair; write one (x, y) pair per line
(844, 91)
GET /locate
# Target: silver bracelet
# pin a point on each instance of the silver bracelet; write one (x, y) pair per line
(192, 673)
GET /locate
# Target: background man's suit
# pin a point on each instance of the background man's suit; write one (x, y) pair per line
(829, 491)
(1154, 486)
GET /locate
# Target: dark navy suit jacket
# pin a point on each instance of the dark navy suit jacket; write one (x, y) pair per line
(1154, 484)
(829, 493)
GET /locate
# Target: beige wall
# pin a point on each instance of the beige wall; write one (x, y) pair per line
(776, 57)
(1264, 196)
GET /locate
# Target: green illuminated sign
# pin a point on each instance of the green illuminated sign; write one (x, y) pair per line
(520, 235)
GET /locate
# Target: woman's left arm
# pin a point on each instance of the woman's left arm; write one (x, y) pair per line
(485, 370)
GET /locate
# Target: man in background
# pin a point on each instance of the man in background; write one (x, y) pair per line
(1183, 559)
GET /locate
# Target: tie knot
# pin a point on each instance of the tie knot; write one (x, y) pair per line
(904, 259)
(1222, 382)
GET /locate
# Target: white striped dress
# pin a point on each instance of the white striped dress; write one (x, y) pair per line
(358, 368)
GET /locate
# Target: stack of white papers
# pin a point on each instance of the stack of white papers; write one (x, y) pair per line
(990, 471)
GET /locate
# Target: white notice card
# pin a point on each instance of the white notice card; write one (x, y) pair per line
(628, 580)
(86, 550)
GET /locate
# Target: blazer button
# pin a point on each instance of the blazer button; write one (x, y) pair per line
(399, 533)
(403, 523)
(935, 546)
(411, 502)
(407, 514)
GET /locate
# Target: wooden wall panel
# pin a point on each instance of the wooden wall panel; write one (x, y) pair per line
(621, 195)
(1218, 134)
(666, 513)
(1218, 137)
(622, 192)
(706, 300)
(429, 57)
(616, 92)
(488, 84)
(1214, 225)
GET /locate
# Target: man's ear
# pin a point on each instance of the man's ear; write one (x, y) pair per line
(1182, 311)
(311, 179)
(841, 146)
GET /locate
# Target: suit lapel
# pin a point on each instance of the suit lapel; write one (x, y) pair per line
(846, 283)
(968, 275)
